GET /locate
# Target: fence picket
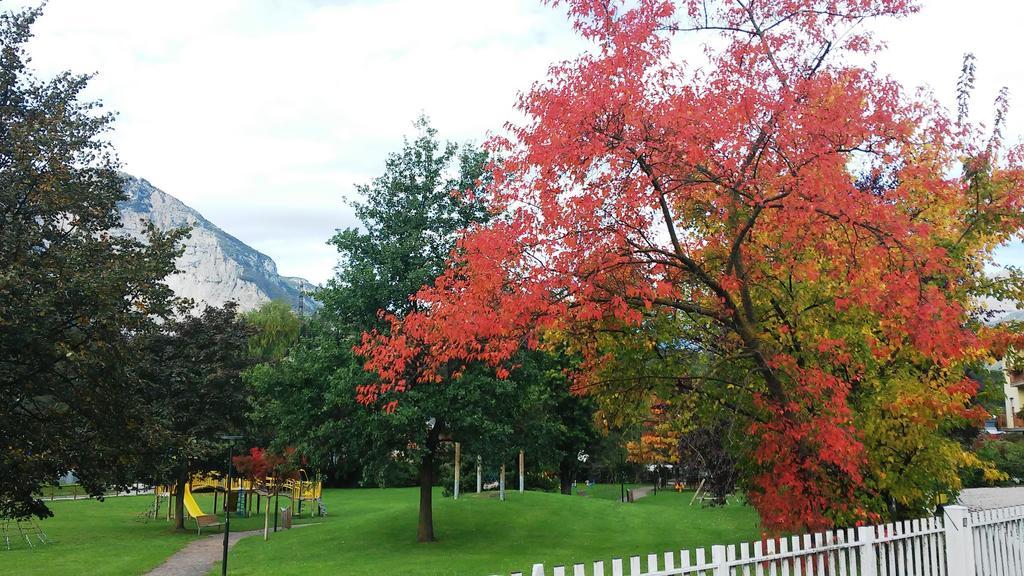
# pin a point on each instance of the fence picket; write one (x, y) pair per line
(599, 568)
(979, 552)
(819, 544)
(770, 549)
(996, 544)
(559, 571)
(858, 553)
(1012, 563)
(579, 570)
(652, 563)
(745, 555)
(906, 556)
(759, 553)
(890, 549)
(1015, 539)
(794, 545)
(987, 545)
(915, 545)
(1000, 543)
(783, 549)
(1006, 527)
(617, 567)
(1002, 537)
(914, 542)
(718, 559)
(841, 553)
(808, 559)
(1009, 560)
(882, 552)
(1004, 530)
(933, 556)
(993, 534)
(634, 566)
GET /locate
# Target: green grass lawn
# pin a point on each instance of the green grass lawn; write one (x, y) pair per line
(373, 531)
(103, 538)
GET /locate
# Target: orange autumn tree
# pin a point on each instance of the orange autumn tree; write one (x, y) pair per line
(780, 231)
(660, 434)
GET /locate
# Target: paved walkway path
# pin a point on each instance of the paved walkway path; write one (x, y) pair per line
(978, 498)
(199, 557)
(641, 491)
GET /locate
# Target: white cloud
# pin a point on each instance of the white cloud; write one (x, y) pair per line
(262, 114)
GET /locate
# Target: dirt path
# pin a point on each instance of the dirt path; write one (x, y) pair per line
(200, 556)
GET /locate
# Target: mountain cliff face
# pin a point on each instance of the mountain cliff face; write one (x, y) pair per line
(215, 267)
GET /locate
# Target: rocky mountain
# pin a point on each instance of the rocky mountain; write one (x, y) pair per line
(1002, 311)
(216, 266)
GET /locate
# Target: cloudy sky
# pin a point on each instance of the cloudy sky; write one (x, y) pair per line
(264, 114)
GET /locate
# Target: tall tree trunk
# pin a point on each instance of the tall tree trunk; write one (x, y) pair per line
(426, 526)
(565, 476)
(179, 502)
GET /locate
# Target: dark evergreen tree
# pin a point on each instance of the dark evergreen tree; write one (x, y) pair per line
(73, 292)
(193, 368)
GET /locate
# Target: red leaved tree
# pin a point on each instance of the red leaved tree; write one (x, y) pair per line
(796, 221)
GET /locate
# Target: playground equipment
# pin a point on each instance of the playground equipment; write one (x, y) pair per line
(153, 512)
(305, 490)
(238, 497)
(26, 528)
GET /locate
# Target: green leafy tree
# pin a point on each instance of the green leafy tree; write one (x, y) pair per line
(73, 292)
(409, 219)
(552, 424)
(1007, 456)
(276, 326)
(193, 366)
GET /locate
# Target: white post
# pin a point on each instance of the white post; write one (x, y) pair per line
(458, 464)
(479, 475)
(538, 570)
(266, 519)
(959, 540)
(521, 468)
(718, 559)
(501, 483)
(866, 545)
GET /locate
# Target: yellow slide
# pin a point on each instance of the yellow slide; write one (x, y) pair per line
(190, 503)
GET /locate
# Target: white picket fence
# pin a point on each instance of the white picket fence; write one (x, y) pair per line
(960, 543)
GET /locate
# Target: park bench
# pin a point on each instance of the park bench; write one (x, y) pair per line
(205, 521)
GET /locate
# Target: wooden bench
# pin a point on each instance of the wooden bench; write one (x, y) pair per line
(205, 521)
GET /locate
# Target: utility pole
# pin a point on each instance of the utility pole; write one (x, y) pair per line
(227, 514)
